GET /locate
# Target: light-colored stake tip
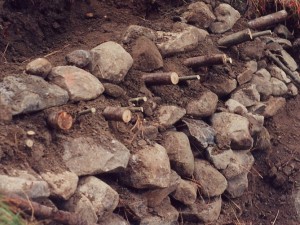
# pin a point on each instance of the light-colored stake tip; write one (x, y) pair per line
(29, 143)
(126, 117)
(93, 110)
(174, 78)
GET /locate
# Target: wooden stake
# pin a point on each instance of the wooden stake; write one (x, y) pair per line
(261, 33)
(136, 109)
(206, 60)
(117, 114)
(60, 120)
(86, 111)
(161, 78)
(138, 99)
(191, 77)
(268, 20)
(235, 38)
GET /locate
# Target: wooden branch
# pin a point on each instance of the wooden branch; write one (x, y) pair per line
(117, 114)
(206, 60)
(44, 212)
(268, 20)
(261, 33)
(138, 99)
(86, 111)
(161, 78)
(136, 109)
(191, 77)
(60, 120)
(294, 76)
(235, 38)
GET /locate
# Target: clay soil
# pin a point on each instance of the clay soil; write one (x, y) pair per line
(54, 29)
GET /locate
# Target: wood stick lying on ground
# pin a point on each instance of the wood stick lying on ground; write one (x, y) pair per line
(44, 212)
(268, 20)
(207, 60)
(261, 33)
(294, 76)
(138, 99)
(117, 114)
(191, 77)
(235, 38)
(161, 78)
(60, 120)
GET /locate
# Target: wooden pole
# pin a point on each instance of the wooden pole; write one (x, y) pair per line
(60, 120)
(117, 114)
(261, 33)
(206, 60)
(191, 77)
(268, 20)
(235, 38)
(161, 78)
(138, 99)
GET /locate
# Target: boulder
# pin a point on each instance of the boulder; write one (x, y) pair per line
(168, 115)
(273, 105)
(247, 95)
(113, 90)
(278, 87)
(133, 32)
(221, 85)
(40, 67)
(234, 106)
(186, 192)
(237, 186)
(79, 58)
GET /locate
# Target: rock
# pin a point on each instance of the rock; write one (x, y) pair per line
(79, 58)
(283, 32)
(201, 33)
(212, 182)
(201, 211)
(221, 85)
(289, 61)
(150, 132)
(237, 186)
(242, 162)
(62, 185)
(110, 62)
(25, 185)
(263, 86)
(179, 151)
(252, 66)
(133, 32)
(278, 73)
(278, 87)
(80, 85)
(199, 14)
(146, 56)
(149, 168)
(235, 127)
(30, 94)
(274, 47)
(254, 50)
(168, 115)
(39, 67)
(256, 123)
(5, 113)
(247, 95)
(204, 106)
(292, 91)
(273, 105)
(103, 198)
(219, 158)
(245, 76)
(113, 90)
(157, 196)
(200, 133)
(264, 74)
(170, 43)
(296, 197)
(263, 141)
(83, 207)
(226, 18)
(85, 156)
(113, 219)
(186, 192)
(234, 106)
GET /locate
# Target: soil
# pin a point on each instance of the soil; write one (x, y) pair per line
(54, 29)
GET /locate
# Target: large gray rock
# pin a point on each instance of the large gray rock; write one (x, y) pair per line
(203, 212)
(179, 151)
(199, 14)
(273, 105)
(247, 95)
(24, 184)
(234, 106)
(212, 182)
(62, 185)
(263, 86)
(220, 84)
(80, 85)
(186, 192)
(30, 94)
(85, 156)
(110, 62)
(278, 73)
(168, 115)
(235, 127)
(289, 60)
(278, 87)
(204, 106)
(237, 185)
(113, 219)
(39, 67)
(133, 32)
(226, 18)
(219, 158)
(149, 168)
(103, 198)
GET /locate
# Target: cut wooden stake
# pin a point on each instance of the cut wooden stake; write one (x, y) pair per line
(136, 109)
(235, 38)
(294, 76)
(191, 77)
(138, 99)
(86, 111)
(117, 114)
(268, 20)
(206, 60)
(60, 120)
(161, 78)
(261, 33)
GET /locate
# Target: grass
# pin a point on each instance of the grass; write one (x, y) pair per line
(8, 217)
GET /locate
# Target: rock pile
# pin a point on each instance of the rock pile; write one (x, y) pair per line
(204, 149)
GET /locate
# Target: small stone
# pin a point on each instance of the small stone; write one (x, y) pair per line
(237, 186)
(219, 158)
(263, 86)
(292, 89)
(168, 115)
(79, 58)
(235, 107)
(278, 87)
(247, 95)
(113, 219)
(289, 61)
(283, 32)
(133, 32)
(273, 105)
(150, 132)
(29, 143)
(252, 66)
(5, 112)
(221, 85)
(81, 85)
(113, 90)
(278, 73)
(204, 106)
(39, 67)
(146, 55)
(256, 123)
(264, 74)
(245, 76)
(186, 192)
(254, 50)
(212, 182)
(179, 151)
